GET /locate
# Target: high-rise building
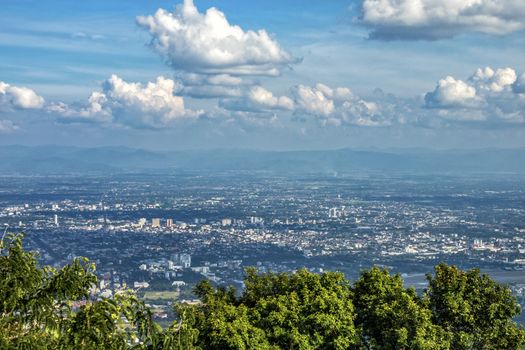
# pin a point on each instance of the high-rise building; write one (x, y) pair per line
(226, 222)
(155, 222)
(55, 220)
(478, 243)
(185, 260)
(169, 223)
(256, 220)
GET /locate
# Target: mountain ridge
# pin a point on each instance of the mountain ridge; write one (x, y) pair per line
(51, 159)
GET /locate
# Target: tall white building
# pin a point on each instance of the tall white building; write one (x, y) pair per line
(185, 260)
(182, 259)
(256, 220)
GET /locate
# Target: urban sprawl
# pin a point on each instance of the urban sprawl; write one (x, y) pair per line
(162, 234)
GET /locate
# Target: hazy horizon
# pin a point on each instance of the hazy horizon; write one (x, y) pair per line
(253, 149)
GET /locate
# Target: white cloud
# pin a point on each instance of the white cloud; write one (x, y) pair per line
(153, 105)
(7, 126)
(19, 97)
(437, 19)
(363, 113)
(493, 81)
(95, 111)
(207, 43)
(314, 100)
(339, 106)
(330, 106)
(265, 98)
(258, 100)
(491, 95)
(450, 92)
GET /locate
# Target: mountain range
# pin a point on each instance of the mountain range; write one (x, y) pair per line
(61, 160)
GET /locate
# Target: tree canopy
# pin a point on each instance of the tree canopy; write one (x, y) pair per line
(46, 308)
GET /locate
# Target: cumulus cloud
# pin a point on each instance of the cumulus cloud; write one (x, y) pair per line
(207, 43)
(450, 92)
(262, 97)
(258, 99)
(15, 97)
(153, 105)
(338, 106)
(363, 113)
(95, 111)
(313, 100)
(493, 80)
(330, 106)
(492, 95)
(438, 19)
(488, 98)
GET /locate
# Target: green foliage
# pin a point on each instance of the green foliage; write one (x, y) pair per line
(302, 310)
(37, 307)
(276, 311)
(46, 308)
(393, 317)
(474, 309)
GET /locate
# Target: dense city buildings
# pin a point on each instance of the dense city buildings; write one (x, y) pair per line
(162, 234)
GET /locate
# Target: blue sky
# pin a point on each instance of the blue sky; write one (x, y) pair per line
(263, 75)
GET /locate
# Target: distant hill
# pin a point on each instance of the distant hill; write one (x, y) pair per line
(59, 160)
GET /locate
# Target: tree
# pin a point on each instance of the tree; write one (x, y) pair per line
(36, 307)
(391, 317)
(474, 309)
(302, 310)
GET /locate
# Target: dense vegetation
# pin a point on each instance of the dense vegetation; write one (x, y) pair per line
(45, 308)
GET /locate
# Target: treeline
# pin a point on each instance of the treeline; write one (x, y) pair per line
(46, 308)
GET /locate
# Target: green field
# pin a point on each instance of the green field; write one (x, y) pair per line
(160, 295)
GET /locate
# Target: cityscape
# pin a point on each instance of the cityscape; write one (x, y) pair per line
(162, 234)
(238, 175)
